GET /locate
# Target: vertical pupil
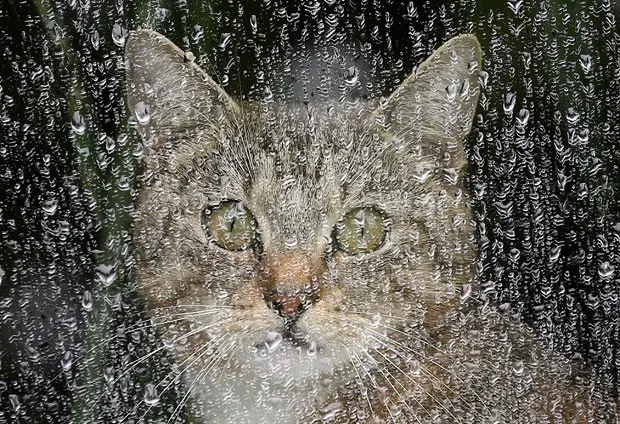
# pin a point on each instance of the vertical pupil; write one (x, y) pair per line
(232, 224)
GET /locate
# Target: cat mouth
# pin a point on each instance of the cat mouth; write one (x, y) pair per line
(288, 338)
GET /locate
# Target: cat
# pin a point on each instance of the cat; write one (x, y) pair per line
(316, 263)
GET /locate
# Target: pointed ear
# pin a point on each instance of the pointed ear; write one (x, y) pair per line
(433, 109)
(167, 93)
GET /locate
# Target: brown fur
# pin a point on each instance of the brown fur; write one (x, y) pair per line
(294, 329)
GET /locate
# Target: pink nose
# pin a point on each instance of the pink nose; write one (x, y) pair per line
(288, 306)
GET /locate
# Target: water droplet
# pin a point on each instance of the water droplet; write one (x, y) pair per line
(77, 123)
(572, 116)
(518, 367)
(106, 274)
(94, 40)
(273, 340)
(465, 292)
(515, 6)
(15, 403)
(605, 270)
(50, 206)
(312, 349)
(143, 113)
(585, 61)
(267, 95)
(510, 99)
(352, 76)
(119, 35)
(87, 301)
(110, 144)
(197, 33)
(150, 395)
(224, 40)
(330, 411)
(67, 360)
(108, 375)
(290, 242)
(523, 117)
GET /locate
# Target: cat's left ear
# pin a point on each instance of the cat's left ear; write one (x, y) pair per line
(434, 107)
(169, 94)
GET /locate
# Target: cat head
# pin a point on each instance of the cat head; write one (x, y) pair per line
(269, 230)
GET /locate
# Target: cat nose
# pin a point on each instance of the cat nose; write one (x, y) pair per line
(289, 282)
(288, 306)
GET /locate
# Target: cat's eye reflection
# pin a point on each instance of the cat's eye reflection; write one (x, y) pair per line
(231, 225)
(361, 230)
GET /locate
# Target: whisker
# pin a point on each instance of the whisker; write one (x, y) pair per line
(132, 365)
(432, 361)
(197, 355)
(203, 373)
(362, 392)
(429, 374)
(388, 376)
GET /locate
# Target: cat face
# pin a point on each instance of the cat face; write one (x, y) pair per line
(292, 241)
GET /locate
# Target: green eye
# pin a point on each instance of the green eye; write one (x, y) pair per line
(231, 225)
(361, 230)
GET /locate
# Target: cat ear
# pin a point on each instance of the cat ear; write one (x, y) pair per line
(168, 94)
(433, 109)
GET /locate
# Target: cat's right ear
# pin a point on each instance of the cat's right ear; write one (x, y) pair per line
(169, 95)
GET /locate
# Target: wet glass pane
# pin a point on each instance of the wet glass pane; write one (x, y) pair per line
(318, 211)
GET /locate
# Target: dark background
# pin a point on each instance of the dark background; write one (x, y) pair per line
(544, 155)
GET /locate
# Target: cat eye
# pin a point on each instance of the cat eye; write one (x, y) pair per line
(231, 225)
(361, 230)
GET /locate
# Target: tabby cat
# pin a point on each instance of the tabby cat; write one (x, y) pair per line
(313, 263)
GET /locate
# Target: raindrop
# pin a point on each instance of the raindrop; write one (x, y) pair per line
(77, 123)
(452, 91)
(150, 395)
(572, 116)
(605, 270)
(585, 61)
(465, 292)
(106, 274)
(290, 242)
(555, 254)
(119, 35)
(351, 76)
(515, 6)
(523, 117)
(50, 206)
(510, 99)
(67, 360)
(87, 301)
(142, 112)
(411, 10)
(312, 349)
(267, 95)
(110, 144)
(94, 39)
(273, 340)
(108, 375)
(224, 40)
(253, 24)
(197, 33)
(483, 79)
(15, 403)
(329, 413)
(518, 367)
